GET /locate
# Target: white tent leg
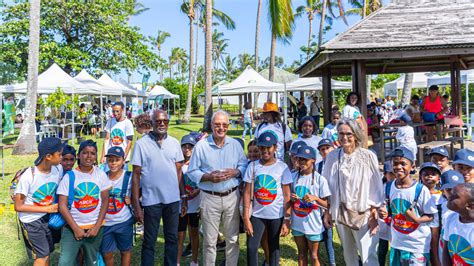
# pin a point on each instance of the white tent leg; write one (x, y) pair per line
(73, 133)
(468, 115)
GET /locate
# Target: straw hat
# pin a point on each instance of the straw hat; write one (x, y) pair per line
(270, 107)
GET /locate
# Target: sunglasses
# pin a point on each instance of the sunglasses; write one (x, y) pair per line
(162, 121)
(224, 125)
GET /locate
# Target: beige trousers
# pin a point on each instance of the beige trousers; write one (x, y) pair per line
(358, 242)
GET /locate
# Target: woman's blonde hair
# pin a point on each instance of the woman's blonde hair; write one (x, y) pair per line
(356, 129)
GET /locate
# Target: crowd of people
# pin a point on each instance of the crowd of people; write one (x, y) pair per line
(305, 187)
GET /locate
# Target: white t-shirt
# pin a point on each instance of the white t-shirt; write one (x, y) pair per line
(119, 131)
(85, 207)
(118, 211)
(278, 130)
(330, 132)
(460, 239)
(384, 224)
(189, 186)
(390, 104)
(39, 190)
(437, 199)
(268, 192)
(351, 112)
(314, 109)
(405, 235)
(306, 216)
(313, 142)
(248, 115)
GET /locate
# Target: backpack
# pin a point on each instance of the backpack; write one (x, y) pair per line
(16, 180)
(56, 220)
(418, 189)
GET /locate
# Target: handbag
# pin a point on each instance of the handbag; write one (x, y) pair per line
(56, 220)
(250, 208)
(350, 218)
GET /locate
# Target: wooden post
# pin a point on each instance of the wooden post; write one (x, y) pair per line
(241, 96)
(327, 95)
(359, 84)
(456, 99)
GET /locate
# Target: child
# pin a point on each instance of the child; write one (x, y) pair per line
(269, 179)
(193, 197)
(384, 224)
(464, 163)
(307, 129)
(459, 228)
(143, 123)
(310, 195)
(118, 229)
(324, 147)
(253, 153)
(440, 157)
(430, 176)
(330, 131)
(406, 135)
(68, 158)
(293, 150)
(85, 216)
(34, 200)
(411, 211)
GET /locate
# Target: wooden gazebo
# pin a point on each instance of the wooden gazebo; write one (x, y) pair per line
(403, 37)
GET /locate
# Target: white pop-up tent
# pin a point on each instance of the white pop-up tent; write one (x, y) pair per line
(107, 81)
(158, 91)
(315, 84)
(247, 82)
(420, 80)
(129, 90)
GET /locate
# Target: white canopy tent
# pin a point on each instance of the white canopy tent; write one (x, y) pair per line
(129, 90)
(160, 91)
(315, 84)
(420, 80)
(247, 82)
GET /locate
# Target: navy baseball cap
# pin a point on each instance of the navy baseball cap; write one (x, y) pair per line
(267, 139)
(115, 151)
(430, 165)
(464, 156)
(68, 149)
(405, 117)
(439, 150)
(306, 152)
(324, 142)
(451, 178)
(188, 139)
(296, 145)
(47, 146)
(403, 152)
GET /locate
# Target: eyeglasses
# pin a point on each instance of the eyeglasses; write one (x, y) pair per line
(224, 125)
(162, 121)
(347, 134)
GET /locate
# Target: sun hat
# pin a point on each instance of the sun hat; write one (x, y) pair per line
(270, 107)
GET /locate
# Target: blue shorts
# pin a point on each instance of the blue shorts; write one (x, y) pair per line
(402, 257)
(119, 236)
(314, 238)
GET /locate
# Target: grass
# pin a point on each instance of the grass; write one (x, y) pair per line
(13, 251)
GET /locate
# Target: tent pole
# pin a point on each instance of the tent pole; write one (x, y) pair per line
(468, 115)
(73, 133)
(101, 111)
(285, 103)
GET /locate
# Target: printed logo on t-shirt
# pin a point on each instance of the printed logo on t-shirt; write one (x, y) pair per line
(86, 197)
(116, 202)
(460, 250)
(44, 195)
(117, 136)
(265, 190)
(302, 208)
(400, 222)
(189, 186)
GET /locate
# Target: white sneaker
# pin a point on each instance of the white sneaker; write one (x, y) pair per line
(194, 263)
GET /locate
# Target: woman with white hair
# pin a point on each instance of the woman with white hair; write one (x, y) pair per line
(356, 194)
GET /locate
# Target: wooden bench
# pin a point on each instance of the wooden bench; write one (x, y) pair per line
(425, 147)
(455, 140)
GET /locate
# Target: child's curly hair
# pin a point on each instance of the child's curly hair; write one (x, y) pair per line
(143, 121)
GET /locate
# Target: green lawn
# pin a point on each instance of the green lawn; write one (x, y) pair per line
(13, 252)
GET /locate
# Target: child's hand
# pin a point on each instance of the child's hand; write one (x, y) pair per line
(383, 213)
(79, 233)
(411, 215)
(52, 208)
(310, 198)
(92, 232)
(248, 227)
(127, 200)
(293, 197)
(285, 228)
(327, 219)
(194, 193)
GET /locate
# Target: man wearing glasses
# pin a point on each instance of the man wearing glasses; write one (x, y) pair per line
(216, 166)
(119, 132)
(157, 160)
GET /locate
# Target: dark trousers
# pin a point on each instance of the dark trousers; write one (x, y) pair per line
(273, 227)
(382, 251)
(152, 218)
(316, 119)
(328, 242)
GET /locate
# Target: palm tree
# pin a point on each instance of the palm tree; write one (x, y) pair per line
(363, 8)
(161, 37)
(26, 142)
(229, 67)
(329, 5)
(257, 33)
(219, 45)
(189, 7)
(244, 61)
(208, 66)
(407, 86)
(178, 55)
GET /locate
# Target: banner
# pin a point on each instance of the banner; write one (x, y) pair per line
(145, 81)
(137, 107)
(9, 109)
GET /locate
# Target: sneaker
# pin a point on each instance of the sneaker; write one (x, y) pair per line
(139, 229)
(188, 252)
(220, 246)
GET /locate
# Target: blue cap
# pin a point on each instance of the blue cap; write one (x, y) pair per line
(47, 146)
(267, 139)
(405, 117)
(115, 151)
(324, 142)
(188, 139)
(306, 152)
(295, 146)
(439, 150)
(387, 166)
(464, 156)
(429, 165)
(450, 179)
(68, 149)
(403, 152)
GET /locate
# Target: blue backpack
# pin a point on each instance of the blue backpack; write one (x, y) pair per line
(56, 220)
(419, 187)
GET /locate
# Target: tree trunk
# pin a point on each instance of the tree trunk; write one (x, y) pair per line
(197, 47)
(364, 8)
(369, 84)
(321, 24)
(257, 33)
(26, 142)
(208, 67)
(161, 66)
(310, 20)
(187, 112)
(407, 86)
(271, 70)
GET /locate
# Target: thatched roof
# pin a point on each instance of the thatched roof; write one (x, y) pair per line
(401, 30)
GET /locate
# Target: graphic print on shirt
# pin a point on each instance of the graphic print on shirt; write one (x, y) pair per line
(265, 190)
(86, 197)
(116, 202)
(302, 208)
(117, 136)
(460, 250)
(400, 223)
(44, 195)
(189, 186)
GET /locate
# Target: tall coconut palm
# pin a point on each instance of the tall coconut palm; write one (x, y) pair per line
(257, 33)
(208, 67)
(178, 55)
(190, 6)
(328, 5)
(359, 6)
(244, 60)
(407, 86)
(161, 37)
(26, 142)
(219, 45)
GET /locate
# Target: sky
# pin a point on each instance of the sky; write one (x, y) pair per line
(165, 15)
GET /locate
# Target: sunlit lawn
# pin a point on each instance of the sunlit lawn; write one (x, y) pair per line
(13, 252)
